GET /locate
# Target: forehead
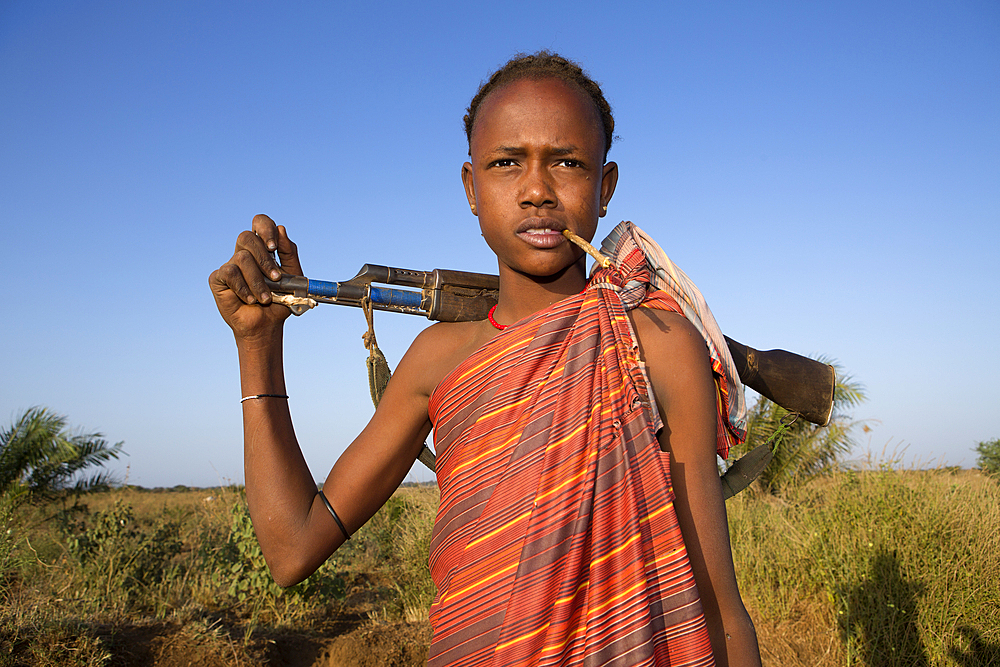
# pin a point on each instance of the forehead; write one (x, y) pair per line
(538, 110)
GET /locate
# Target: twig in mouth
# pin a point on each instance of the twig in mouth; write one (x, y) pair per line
(587, 248)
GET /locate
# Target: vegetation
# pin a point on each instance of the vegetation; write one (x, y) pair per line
(989, 457)
(892, 567)
(873, 567)
(804, 450)
(40, 457)
(181, 572)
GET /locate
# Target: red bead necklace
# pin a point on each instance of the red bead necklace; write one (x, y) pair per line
(489, 316)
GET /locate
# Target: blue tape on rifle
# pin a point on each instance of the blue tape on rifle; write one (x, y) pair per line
(395, 297)
(323, 288)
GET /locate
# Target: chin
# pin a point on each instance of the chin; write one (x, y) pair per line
(549, 272)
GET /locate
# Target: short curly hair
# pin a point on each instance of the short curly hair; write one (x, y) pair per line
(543, 65)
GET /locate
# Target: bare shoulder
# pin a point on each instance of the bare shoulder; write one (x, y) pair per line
(438, 349)
(680, 371)
(668, 339)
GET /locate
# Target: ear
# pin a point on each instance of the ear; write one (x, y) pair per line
(609, 179)
(470, 186)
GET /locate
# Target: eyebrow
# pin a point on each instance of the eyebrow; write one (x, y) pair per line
(517, 150)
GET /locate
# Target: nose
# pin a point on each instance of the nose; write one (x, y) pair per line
(537, 189)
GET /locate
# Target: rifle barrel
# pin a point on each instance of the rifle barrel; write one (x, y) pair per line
(351, 294)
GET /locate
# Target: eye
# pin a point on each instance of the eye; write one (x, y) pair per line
(503, 162)
(572, 164)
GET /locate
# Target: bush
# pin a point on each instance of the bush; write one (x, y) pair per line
(989, 457)
(395, 543)
(40, 456)
(902, 565)
(239, 568)
(804, 450)
(121, 557)
(8, 560)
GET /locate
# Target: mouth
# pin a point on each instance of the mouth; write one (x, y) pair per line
(540, 225)
(541, 232)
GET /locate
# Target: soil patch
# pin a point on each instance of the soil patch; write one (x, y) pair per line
(339, 645)
(355, 643)
(382, 645)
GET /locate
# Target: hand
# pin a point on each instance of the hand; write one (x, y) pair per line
(243, 298)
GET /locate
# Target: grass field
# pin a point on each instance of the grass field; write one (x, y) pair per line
(872, 568)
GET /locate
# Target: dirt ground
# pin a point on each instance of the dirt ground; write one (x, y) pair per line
(345, 645)
(352, 643)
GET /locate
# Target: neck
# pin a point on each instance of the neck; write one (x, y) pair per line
(523, 295)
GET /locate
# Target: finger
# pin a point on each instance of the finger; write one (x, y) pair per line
(288, 253)
(265, 228)
(250, 271)
(229, 277)
(250, 242)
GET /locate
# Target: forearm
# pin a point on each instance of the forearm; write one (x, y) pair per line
(701, 512)
(733, 636)
(280, 489)
(287, 515)
(737, 647)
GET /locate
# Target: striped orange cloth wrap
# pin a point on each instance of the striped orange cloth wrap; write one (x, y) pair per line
(556, 541)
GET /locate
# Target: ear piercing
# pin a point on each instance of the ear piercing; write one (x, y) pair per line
(473, 207)
(604, 208)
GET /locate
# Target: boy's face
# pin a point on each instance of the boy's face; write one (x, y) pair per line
(537, 168)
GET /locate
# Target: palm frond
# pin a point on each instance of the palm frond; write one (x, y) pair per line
(805, 450)
(39, 457)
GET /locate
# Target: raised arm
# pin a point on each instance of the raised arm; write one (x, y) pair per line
(295, 530)
(681, 374)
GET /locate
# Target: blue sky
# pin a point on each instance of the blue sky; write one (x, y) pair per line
(827, 172)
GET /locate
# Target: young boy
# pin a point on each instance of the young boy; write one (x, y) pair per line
(564, 535)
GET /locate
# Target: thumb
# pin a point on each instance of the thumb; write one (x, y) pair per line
(288, 254)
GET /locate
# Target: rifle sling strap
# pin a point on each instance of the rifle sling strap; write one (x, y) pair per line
(379, 372)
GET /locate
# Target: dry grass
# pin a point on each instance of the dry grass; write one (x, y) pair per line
(877, 568)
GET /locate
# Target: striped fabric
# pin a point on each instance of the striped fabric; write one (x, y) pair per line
(556, 541)
(627, 238)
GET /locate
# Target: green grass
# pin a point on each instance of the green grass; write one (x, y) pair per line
(874, 568)
(902, 567)
(73, 582)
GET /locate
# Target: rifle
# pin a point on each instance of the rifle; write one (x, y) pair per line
(792, 381)
(444, 296)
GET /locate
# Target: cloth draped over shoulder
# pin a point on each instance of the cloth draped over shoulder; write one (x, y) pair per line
(666, 276)
(556, 540)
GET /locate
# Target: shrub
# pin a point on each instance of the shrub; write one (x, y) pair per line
(122, 557)
(39, 457)
(8, 560)
(804, 450)
(396, 544)
(240, 569)
(905, 562)
(989, 457)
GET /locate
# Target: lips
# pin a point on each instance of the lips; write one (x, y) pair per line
(541, 232)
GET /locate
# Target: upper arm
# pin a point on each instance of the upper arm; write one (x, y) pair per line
(378, 460)
(680, 371)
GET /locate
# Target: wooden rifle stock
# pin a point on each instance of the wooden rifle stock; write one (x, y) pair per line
(796, 383)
